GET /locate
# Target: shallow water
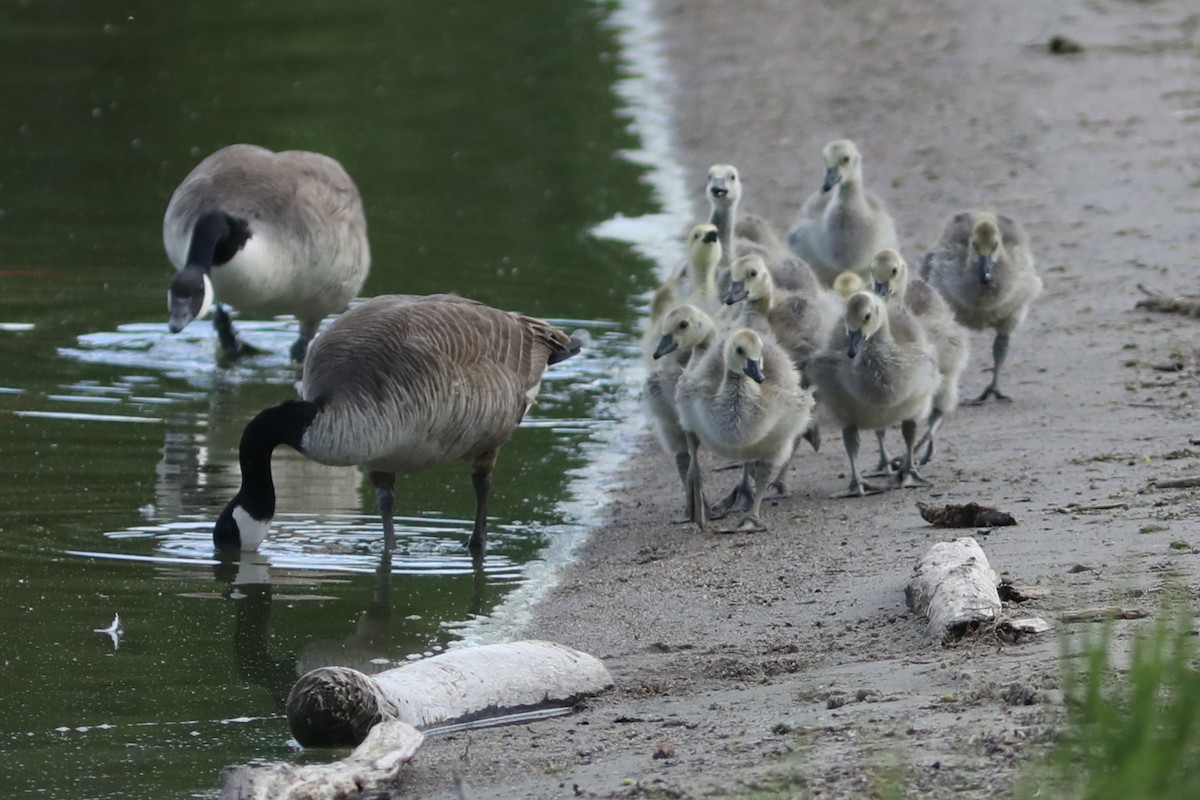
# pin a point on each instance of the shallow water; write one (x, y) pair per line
(488, 144)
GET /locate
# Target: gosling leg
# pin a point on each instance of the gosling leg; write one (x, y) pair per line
(909, 477)
(697, 506)
(762, 472)
(999, 352)
(741, 498)
(885, 466)
(929, 440)
(858, 487)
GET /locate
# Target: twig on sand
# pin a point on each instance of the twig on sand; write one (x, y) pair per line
(1101, 614)
(1181, 304)
(1187, 482)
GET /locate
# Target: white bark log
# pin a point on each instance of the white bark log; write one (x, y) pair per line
(336, 706)
(955, 587)
(367, 772)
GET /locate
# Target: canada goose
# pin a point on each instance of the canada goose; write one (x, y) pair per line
(686, 332)
(879, 371)
(398, 384)
(984, 268)
(742, 400)
(750, 234)
(891, 278)
(842, 226)
(268, 233)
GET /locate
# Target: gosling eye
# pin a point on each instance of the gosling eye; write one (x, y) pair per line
(683, 325)
(753, 273)
(733, 177)
(741, 352)
(866, 317)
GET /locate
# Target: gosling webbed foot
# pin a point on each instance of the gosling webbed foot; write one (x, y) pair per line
(778, 490)
(740, 498)
(911, 479)
(990, 391)
(747, 524)
(860, 489)
(884, 469)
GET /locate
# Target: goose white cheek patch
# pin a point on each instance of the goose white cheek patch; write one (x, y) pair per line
(251, 530)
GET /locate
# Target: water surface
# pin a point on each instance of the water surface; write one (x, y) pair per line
(487, 142)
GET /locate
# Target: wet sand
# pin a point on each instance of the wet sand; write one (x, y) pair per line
(786, 662)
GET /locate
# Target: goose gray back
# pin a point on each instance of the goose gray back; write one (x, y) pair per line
(267, 233)
(398, 384)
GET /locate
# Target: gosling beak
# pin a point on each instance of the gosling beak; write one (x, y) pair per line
(737, 293)
(882, 289)
(832, 178)
(754, 370)
(986, 265)
(666, 344)
(709, 237)
(717, 187)
(856, 342)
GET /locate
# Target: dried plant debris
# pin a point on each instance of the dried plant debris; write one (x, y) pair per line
(1180, 304)
(971, 515)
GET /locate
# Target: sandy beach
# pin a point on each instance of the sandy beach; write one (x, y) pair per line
(785, 663)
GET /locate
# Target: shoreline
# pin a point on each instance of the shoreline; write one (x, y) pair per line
(785, 663)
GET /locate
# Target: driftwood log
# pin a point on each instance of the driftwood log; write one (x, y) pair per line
(337, 706)
(955, 587)
(370, 770)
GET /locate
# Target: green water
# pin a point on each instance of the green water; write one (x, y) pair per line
(484, 137)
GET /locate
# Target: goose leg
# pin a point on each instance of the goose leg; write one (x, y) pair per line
(233, 346)
(308, 330)
(740, 498)
(999, 352)
(682, 463)
(909, 477)
(481, 478)
(812, 435)
(858, 487)
(385, 499)
(697, 506)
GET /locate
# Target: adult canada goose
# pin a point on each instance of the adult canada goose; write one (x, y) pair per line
(686, 332)
(398, 384)
(891, 278)
(750, 234)
(742, 400)
(842, 226)
(984, 268)
(879, 371)
(267, 233)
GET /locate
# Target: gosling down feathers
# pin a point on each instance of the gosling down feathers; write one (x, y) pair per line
(686, 332)
(268, 233)
(399, 384)
(879, 371)
(842, 226)
(891, 278)
(984, 268)
(742, 400)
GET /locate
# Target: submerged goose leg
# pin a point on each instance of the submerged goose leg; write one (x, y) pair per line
(999, 351)
(697, 506)
(740, 498)
(481, 478)
(858, 487)
(233, 346)
(385, 499)
(308, 330)
(909, 477)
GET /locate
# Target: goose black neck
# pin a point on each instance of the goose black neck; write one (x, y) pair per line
(216, 238)
(281, 424)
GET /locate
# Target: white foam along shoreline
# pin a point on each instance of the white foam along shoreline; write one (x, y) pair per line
(644, 89)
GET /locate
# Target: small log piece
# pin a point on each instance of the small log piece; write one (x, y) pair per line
(955, 587)
(337, 706)
(367, 772)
